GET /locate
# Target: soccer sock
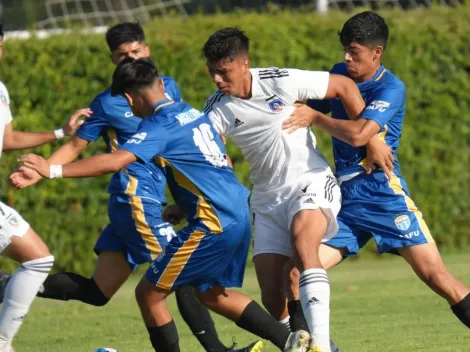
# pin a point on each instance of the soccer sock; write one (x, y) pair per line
(256, 320)
(198, 319)
(285, 322)
(462, 310)
(20, 293)
(66, 286)
(315, 298)
(297, 319)
(164, 338)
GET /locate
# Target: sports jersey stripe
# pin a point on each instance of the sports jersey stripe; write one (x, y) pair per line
(216, 97)
(270, 70)
(179, 260)
(267, 73)
(138, 214)
(280, 75)
(204, 211)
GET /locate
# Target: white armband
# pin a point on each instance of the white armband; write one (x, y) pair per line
(59, 134)
(55, 171)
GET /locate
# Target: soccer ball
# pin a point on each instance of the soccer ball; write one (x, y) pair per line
(106, 349)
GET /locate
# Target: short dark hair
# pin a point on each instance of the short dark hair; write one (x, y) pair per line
(1, 31)
(226, 44)
(132, 75)
(126, 32)
(366, 28)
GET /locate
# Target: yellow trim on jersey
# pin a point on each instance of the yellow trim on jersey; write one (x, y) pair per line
(380, 76)
(179, 260)
(395, 185)
(143, 227)
(161, 106)
(112, 139)
(204, 211)
(381, 136)
(131, 185)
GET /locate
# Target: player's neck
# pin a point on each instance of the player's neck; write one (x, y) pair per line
(246, 92)
(369, 75)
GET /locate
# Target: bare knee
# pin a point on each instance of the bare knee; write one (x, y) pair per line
(291, 280)
(212, 297)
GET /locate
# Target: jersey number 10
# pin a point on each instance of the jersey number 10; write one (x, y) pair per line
(204, 139)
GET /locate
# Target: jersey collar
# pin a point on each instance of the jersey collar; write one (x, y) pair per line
(379, 74)
(160, 104)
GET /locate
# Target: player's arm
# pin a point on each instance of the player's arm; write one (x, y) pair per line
(17, 140)
(96, 165)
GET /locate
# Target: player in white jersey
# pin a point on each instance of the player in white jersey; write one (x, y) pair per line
(18, 240)
(295, 197)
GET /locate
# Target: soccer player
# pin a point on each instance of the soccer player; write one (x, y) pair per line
(210, 252)
(18, 241)
(136, 233)
(295, 198)
(373, 205)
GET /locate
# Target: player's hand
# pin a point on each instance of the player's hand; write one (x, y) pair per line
(37, 163)
(302, 116)
(75, 122)
(24, 177)
(381, 154)
(173, 214)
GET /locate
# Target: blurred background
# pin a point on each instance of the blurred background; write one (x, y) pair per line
(56, 60)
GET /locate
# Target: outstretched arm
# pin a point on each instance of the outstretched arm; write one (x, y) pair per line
(93, 166)
(17, 140)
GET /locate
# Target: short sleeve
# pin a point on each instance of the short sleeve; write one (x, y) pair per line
(385, 104)
(303, 85)
(148, 143)
(94, 125)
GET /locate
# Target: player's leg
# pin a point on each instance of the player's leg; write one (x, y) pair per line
(329, 257)
(20, 243)
(111, 272)
(208, 262)
(428, 265)
(271, 250)
(313, 211)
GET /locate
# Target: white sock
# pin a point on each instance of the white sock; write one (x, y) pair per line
(20, 293)
(285, 322)
(315, 298)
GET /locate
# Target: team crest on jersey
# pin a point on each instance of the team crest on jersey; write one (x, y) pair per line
(403, 222)
(276, 105)
(378, 105)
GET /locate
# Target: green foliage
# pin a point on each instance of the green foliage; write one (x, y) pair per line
(49, 79)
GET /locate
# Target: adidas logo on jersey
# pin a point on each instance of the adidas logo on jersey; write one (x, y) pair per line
(309, 201)
(238, 122)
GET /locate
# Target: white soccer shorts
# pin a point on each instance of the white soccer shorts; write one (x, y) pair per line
(11, 224)
(315, 190)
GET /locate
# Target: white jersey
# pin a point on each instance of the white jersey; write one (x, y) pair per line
(5, 113)
(277, 159)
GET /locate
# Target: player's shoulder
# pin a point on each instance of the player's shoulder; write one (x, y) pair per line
(390, 83)
(108, 101)
(169, 81)
(216, 100)
(270, 74)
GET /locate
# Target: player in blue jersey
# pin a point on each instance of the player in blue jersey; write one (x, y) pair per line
(210, 253)
(136, 233)
(374, 205)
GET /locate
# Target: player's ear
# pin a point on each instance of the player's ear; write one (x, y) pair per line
(246, 65)
(130, 100)
(161, 84)
(147, 51)
(378, 52)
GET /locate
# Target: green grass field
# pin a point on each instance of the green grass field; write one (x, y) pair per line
(377, 305)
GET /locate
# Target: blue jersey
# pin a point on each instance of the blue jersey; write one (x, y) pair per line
(384, 97)
(182, 142)
(113, 120)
